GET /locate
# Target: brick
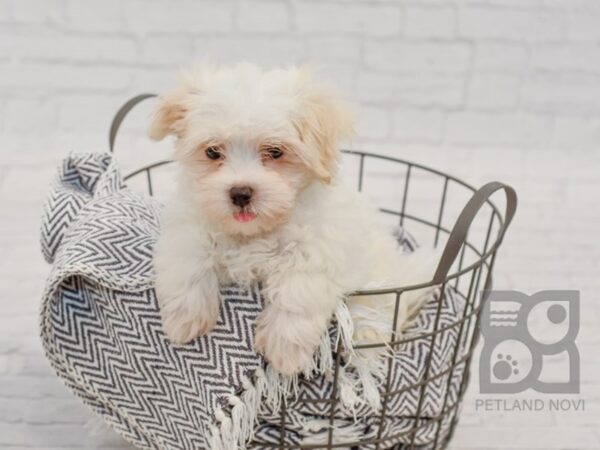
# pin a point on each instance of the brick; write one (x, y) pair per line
(42, 412)
(562, 93)
(27, 365)
(57, 435)
(493, 91)
(422, 89)
(582, 24)
(5, 10)
(23, 284)
(2, 121)
(266, 51)
(31, 116)
(172, 50)
(37, 11)
(262, 17)
(567, 58)
(334, 48)
(82, 113)
(556, 437)
(418, 57)
(572, 132)
(12, 229)
(155, 79)
(30, 387)
(327, 18)
(418, 125)
(501, 57)
(528, 437)
(56, 47)
(20, 150)
(373, 122)
(340, 76)
(478, 437)
(196, 17)
(38, 77)
(525, 4)
(497, 129)
(106, 15)
(20, 328)
(437, 21)
(480, 22)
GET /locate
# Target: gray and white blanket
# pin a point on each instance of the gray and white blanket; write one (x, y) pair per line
(101, 331)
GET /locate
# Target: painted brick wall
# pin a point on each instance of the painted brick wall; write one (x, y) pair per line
(488, 73)
(484, 89)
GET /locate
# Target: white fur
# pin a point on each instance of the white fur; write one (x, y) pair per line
(312, 240)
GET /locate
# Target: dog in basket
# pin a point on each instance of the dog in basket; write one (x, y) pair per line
(259, 200)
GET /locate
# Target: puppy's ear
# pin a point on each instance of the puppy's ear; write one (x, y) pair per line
(324, 121)
(169, 115)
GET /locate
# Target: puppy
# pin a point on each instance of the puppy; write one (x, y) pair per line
(258, 200)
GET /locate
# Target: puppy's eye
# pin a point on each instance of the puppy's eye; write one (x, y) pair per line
(275, 152)
(214, 153)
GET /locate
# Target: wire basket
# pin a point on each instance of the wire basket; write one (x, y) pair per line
(431, 205)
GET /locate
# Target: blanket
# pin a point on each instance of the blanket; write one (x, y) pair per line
(101, 331)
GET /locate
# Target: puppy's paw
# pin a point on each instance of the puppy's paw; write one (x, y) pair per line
(287, 340)
(286, 357)
(189, 306)
(181, 328)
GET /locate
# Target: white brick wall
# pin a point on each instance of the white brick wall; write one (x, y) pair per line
(484, 89)
(461, 59)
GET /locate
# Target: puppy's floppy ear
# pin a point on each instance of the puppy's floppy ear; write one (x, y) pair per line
(324, 120)
(169, 115)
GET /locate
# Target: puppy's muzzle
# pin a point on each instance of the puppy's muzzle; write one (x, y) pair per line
(240, 195)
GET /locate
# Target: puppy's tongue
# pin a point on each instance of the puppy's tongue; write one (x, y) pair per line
(243, 217)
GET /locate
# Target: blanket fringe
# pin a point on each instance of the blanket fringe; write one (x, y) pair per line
(234, 426)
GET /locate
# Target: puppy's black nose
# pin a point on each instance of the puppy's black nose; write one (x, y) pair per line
(240, 195)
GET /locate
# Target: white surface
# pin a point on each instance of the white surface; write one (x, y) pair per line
(489, 89)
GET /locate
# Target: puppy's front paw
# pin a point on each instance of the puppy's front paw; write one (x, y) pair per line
(181, 327)
(287, 341)
(286, 357)
(189, 305)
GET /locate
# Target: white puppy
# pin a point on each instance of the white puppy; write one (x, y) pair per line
(258, 200)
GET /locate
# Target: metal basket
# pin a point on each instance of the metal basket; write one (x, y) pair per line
(466, 264)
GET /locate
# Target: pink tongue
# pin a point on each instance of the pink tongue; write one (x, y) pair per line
(243, 217)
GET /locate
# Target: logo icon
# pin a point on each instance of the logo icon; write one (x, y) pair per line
(529, 342)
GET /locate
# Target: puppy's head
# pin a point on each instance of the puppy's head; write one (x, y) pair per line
(249, 141)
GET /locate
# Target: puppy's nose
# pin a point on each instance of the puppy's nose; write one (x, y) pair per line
(240, 195)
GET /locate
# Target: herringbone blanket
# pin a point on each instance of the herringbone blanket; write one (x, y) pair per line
(101, 331)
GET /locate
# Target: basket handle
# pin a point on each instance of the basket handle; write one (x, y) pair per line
(121, 114)
(463, 223)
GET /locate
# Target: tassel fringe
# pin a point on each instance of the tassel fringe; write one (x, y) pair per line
(234, 427)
